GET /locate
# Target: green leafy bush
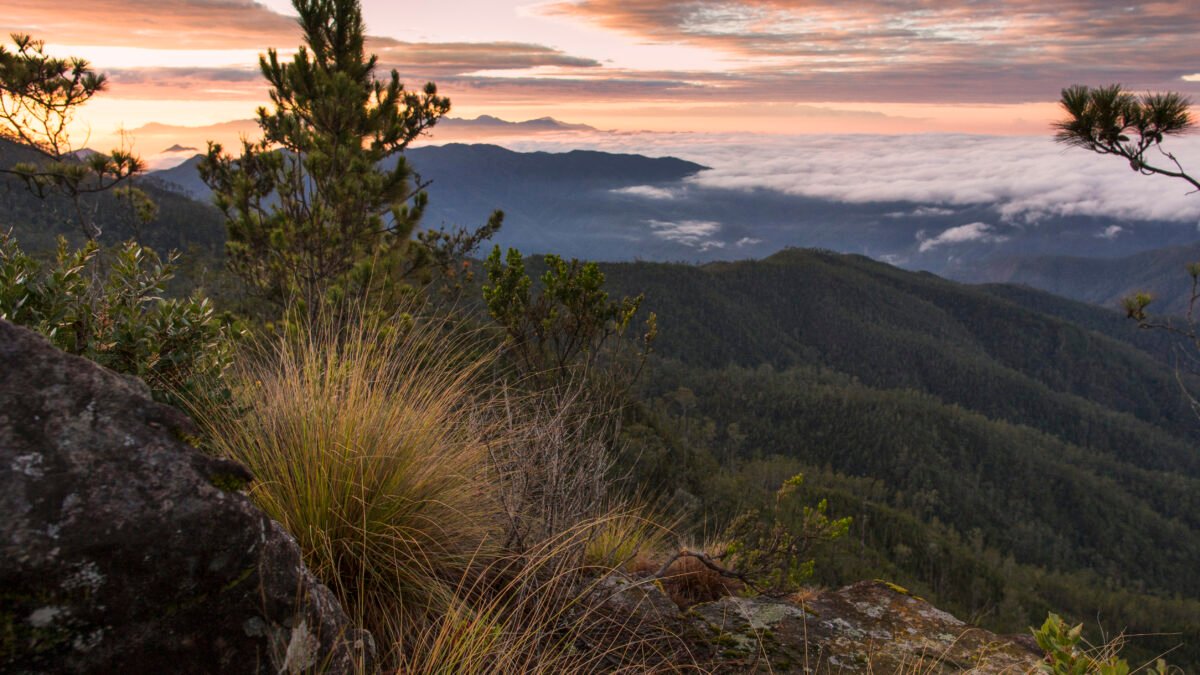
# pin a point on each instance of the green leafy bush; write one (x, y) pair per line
(110, 308)
(570, 324)
(1067, 653)
(774, 548)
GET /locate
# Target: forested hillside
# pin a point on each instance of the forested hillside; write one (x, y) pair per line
(1162, 272)
(1006, 451)
(1003, 450)
(180, 223)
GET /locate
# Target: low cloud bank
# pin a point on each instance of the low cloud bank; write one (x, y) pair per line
(1025, 179)
(697, 234)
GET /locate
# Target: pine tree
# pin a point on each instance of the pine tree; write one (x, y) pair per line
(39, 97)
(1112, 121)
(327, 192)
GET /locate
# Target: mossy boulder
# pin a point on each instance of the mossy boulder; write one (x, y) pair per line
(125, 550)
(869, 627)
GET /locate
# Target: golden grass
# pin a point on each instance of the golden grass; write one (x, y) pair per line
(362, 449)
(373, 444)
(528, 613)
(629, 537)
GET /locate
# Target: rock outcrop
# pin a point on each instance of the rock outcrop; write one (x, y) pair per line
(125, 550)
(869, 627)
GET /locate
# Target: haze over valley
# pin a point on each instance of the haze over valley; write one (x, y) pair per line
(965, 207)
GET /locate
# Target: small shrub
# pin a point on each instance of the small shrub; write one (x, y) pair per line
(570, 325)
(552, 462)
(111, 310)
(1067, 653)
(774, 548)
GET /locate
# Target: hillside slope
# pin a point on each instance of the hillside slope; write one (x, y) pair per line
(978, 434)
(1161, 272)
(901, 330)
(181, 223)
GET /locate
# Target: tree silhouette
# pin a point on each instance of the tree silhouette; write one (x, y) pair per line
(327, 189)
(39, 97)
(1112, 121)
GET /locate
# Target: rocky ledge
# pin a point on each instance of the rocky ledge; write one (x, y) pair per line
(869, 627)
(123, 549)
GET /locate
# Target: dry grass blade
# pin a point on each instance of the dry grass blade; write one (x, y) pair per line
(362, 449)
(539, 612)
(400, 471)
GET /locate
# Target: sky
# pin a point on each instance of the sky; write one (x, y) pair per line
(938, 104)
(718, 66)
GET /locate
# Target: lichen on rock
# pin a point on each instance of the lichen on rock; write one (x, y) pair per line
(868, 627)
(124, 549)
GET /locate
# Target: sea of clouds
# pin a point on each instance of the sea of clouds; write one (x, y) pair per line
(1025, 179)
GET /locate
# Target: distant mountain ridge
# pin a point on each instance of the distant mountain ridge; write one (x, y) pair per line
(484, 165)
(1161, 272)
(492, 123)
(564, 202)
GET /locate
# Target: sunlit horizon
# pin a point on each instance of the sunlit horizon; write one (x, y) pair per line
(754, 66)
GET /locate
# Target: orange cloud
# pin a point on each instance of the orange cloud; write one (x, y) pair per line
(983, 62)
(417, 63)
(921, 50)
(162, 24)
(457, 58)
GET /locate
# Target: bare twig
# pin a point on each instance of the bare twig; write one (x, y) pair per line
(708, 561)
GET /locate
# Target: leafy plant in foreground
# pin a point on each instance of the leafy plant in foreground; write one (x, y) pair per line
(1068, 654)
(111, 310)
(770, 551)
(775, 547)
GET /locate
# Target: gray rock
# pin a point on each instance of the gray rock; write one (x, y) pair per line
(123, 549)
(868, 627)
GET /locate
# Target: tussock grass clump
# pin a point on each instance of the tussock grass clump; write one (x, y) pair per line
(466, 527)
(541, 612)
(628, 538)
(363, 447)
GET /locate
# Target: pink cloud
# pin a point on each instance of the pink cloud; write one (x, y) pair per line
(921, 50)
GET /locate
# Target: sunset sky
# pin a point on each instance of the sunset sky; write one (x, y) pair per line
(770, 66)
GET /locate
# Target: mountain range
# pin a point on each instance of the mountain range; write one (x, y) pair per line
(229, 134)
(491, 124)
(1003, 450)
(604, 206)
